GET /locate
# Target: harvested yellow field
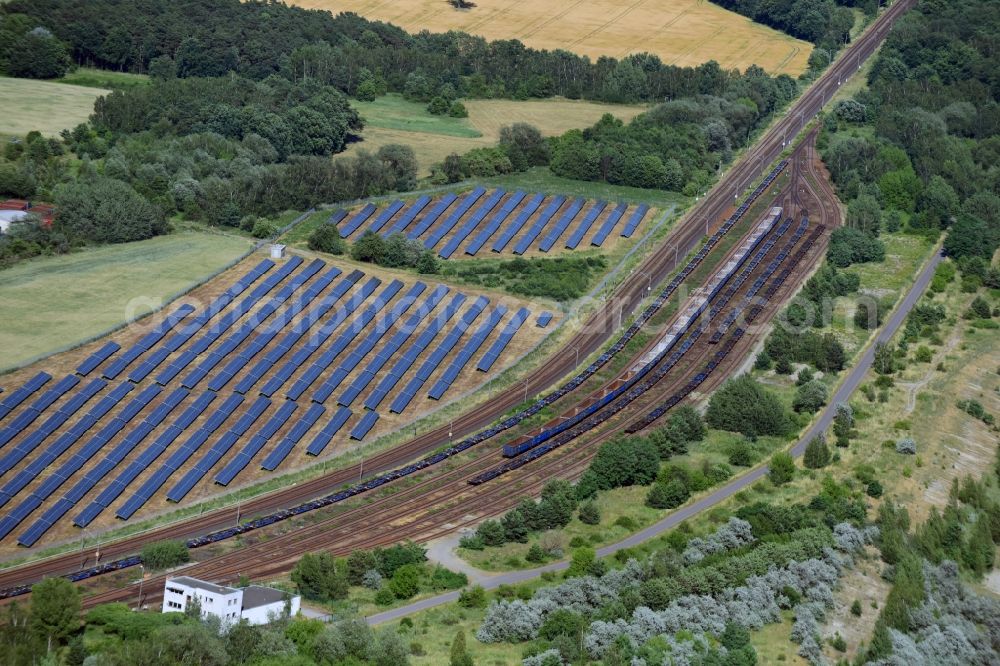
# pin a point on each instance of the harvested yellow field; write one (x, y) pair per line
(681, 32)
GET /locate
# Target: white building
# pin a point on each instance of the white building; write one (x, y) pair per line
(255, 604)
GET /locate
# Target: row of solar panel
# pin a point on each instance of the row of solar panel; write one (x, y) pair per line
(475, 221)
(180, 457)
(110, 460)
(471, 346)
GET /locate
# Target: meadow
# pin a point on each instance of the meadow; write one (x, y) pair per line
(681, 32)
(392, 119)
(45, 106)
(87, 292)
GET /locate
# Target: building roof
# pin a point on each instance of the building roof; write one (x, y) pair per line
(202, 585)
(255, 596)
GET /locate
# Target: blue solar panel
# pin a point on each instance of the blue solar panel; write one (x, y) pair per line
(432, 215)
(336, 216)
(256, 443)
(491, 356)
(373, 367)
(368, 343)
(522, 245)
(609, 224)
(344, 339)
(385, 216)
(258, 407)
(634, 220)
(298, 431)
(470, 225)
(364, 426)
(497, 219)
(408, 216)
(463, 356)
(21, 394)
(561, 224)
(449, 223)
(585, 224)
(325, 435)
(357, 220)
(543, 319)
(91, 362)
(223, 412)
(518, 223)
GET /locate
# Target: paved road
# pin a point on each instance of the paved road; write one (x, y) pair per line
(820, 425)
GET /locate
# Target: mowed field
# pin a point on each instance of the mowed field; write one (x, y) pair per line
(681, 32)
(44, 106)
(392, 119)
(53, 302)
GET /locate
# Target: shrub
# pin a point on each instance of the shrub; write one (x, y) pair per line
(264, 229)
(667, 495)
(741, 454)
(810, 397)
(743, 405)
(924, 354)
(445, 579)
(856, 608)
(535, 555)
(817, 454)
(384, 597)
(589, 514)
(471, 542)
(405, 581)
(472, 597)
(326, 238)
(873, 489)
(781, 469)
(458, 110)
(164, 554)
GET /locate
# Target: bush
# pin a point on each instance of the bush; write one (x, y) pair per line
(326, 238)
(743, 405)
(817, 454)
(535, 554)
(405, 581)
(472, 597)
(856, 608)
(264, 229)
(668, 495)
(458, 110)
(164, 554)
(853, 246)
(741, 454)
(874, 489)
(810, 397)
(781, 470)
(471, 542)
(589, 514)
(385, 597)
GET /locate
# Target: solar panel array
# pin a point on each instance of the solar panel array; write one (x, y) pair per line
(454, 221)
(292, 355)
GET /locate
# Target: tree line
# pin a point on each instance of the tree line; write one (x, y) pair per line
(260, 39)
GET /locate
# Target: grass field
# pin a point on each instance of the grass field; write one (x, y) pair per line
(103, 78)
(44, 106)
(681, 32)
(392, 119)
(50, 303)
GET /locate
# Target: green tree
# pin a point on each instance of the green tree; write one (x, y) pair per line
(457, 110)
(589, 514)
(743, 405)
(106, 211)
(582, 562)
(817, 454)
(668, 495)
(326, 238)
(369, 247)
(865, 214)
(428, 263)
(405, 581)
(55, 611)
(459, 655)
(810, 397)
(318, 578)
(36, 54)
(781, 469)
(164, 554)
(885, 358)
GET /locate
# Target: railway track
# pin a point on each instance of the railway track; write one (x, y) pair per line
(656, 266)
(433, 507)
